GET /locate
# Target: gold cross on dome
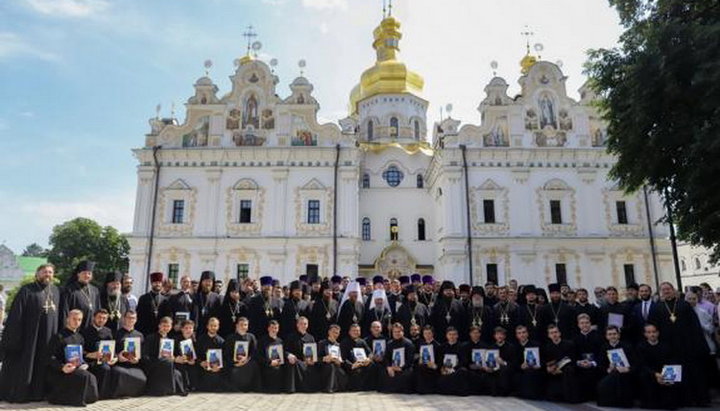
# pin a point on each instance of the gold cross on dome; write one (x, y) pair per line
(527, 33)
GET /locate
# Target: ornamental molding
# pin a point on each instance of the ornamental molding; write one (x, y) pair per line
(178, 190)
(489, 190)
(556, 189)
(314, 190)
(244, 189)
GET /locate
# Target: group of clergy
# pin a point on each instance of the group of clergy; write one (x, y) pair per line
(77, 344)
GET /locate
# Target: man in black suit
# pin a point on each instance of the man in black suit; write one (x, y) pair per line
(641, 310)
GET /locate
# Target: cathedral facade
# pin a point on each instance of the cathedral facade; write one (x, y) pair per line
(251, 184)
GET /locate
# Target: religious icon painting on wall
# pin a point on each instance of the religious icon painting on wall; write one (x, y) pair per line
(268, 120)
(233, 119)
(304, 138)
(198, 137)
(251, 115)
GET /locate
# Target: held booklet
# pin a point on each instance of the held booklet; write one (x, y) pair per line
(477, 356)
(74, 354)
(181, 316)
(491, 359)
(378, 347)
(427, 354)
(275, 352)
(334, 351)
(450, 361)
(167, 348)
(310, 351)
(131, 347)
(359, 354)
(214, 357)
(188, 349)
(106, 349)
(241, 349)
(618, 358)
(398, 357)
(672, 373)
(532, 357)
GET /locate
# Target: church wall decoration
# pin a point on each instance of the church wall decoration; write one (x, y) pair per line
(304, 138)
(268, 120)
(198, 137)
(251, 113)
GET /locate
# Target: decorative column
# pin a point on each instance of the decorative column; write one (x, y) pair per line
(279, 202)
(212, 203)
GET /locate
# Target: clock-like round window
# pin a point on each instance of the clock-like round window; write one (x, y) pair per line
(393, 176)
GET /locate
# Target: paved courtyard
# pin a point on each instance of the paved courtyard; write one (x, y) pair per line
(342, 401)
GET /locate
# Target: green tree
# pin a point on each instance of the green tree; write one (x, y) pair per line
(659, 92)
(80, 239)
(34, 250)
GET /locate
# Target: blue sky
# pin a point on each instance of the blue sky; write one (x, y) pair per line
(80, 78)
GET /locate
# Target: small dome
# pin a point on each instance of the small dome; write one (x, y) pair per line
(301, 81)
(497, 81)
(204, 81)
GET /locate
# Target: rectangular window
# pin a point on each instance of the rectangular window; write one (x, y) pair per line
(629, 273)
(243, 270)
(492, 273)
(245, 211)
(178, 211)
(489, 211)
(555, 212)
(560, 274)
(313, 212)
(621, 212)
(173, 272)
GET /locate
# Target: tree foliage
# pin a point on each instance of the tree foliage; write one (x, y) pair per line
(659, 92)
(34, 250)
(81, 239)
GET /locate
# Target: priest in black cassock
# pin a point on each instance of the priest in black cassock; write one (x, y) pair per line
(323, 311)
(186, 358)
(453, 372)
(31, 323)
(557, 312)
(303, 367)
(332, 376)
(680, 328)
(378, 311)
(80, 294)
(351, 307)
(426, 293)
(618, 314)
(150, 305)
(500, 379)
(399, 357)
(558, 356)
(231, 309)
(180, 302)
(480, 315)
(447, 311)
(206, 303)
(69, 381)
(427, 369)
(528, 379)
(652, 355)
(263, 308)
(112, 300)
(616, 387)
(360, 369)
(528, 314)
(411, 311)
(211, 376)
(243, 369)
(273, 359)
(163, 378)
(588, 347)
(505, 312)
(294, 308)
(133, 380)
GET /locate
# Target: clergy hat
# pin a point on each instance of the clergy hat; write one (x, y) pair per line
(554, 288)
(378, 279)
(156, 276)
(447, 284)
(303, 278)
(477, 290)
(113, 276)
(275, 282)
(362, 281)
(325, 285)
(428, 279)
(85, 265)
(336, 279)
(404, 279)
(295, 285)
(207, 275)
(415, 278)
(464, 288)
(233, 285)
(410, 289)
(633, 286)
(529, 289)
(266, 280)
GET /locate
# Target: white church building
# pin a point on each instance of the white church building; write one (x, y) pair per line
(250, 184)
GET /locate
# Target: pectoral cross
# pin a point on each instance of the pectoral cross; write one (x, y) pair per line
(534, 322)
(504, 318)
(48, 306)
(448, 317)
(673, 317)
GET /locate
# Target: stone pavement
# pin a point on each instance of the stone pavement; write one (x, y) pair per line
(368, 401)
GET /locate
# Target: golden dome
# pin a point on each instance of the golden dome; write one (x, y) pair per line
(246, 59)
(527, 62)
(388, 75)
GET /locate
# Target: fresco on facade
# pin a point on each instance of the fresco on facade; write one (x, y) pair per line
(198, 137)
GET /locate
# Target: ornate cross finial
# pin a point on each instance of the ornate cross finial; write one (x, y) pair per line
(527, 33)
(389, 8)
(250, 34)
(384, 8)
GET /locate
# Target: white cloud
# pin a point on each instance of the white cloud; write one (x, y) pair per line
(325, 4)
(12, 45)
(69, 8)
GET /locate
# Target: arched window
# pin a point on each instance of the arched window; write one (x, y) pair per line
(421, 229)
(683, 266)
(697, 263)
(420, 181)
(366, 229)
(394, 127)
(394, 230)
(370, 130)
(416, 127)
(393, 176)
(366, 180)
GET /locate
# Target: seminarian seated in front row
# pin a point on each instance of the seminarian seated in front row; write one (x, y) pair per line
(69, 380)
(240, 352)
(399, 356)
(159, 362)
